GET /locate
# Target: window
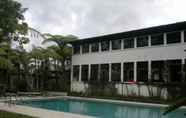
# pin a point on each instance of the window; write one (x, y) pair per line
(116, 72)
(116, 44)
(128, 43)
(184, 36)
(157, 39)
(142, 71)
(94, 47)
(157, 71)
(76, 73)
(104, 75)
(142, 41)
(105, 45)
(85, 48)
(84, 73)
(173, 37)
(94, 72)
(128, 69)
(174, 70)
(76, 49)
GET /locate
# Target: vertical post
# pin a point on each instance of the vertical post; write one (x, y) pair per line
(135, 71)
(135, 42)
(122, 72)
(149, 70)
(110, 45)
(90, 48)
(71, 74)
(99, 46)
(110, 70)
(80, 73)
(89, 71)
(149, 41)
(182, 36)
(165, 39)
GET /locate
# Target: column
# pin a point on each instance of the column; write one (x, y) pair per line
(135, 71)
(71, 74)
(99, 46)
(110, 70)
(149, 41)
(122, 72)
(89, 71)
(80, 49)
(149, 70)
(110, 45)
(165, 39)
(135, 42)
(182, 36)
(90, 48)
(80, 73)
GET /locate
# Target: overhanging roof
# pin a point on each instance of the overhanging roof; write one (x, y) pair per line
(140, 32)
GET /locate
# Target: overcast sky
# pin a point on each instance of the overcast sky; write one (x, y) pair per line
(87, 18)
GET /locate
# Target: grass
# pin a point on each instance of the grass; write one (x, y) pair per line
(5, 114)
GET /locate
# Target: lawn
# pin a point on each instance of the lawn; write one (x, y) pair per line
(4, 114)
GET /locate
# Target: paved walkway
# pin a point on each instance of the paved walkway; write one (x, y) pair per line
(37, 112)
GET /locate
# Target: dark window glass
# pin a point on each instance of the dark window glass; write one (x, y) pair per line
(116, 72)
(85, 48)
(157, 71)
(184, 36)
(128, 69)
(157, 39)
(76, 73)
(174, 70)
(173, 37)
(105, 45)
(116, 44)
(76, 49)
(142, 71)
(142, 41)
(94, 72)
(84, 73)
(128, 43)
(94, 47)
(104, 75)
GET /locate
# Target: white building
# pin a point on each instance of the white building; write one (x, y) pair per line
(155, 54)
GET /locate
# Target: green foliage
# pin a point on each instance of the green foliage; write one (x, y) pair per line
(180, 102)
(12, 25)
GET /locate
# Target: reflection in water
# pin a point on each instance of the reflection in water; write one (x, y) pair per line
(104, 110)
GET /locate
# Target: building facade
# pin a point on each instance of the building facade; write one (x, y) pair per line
(127, 59)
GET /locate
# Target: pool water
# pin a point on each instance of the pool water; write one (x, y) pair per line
(103, 109)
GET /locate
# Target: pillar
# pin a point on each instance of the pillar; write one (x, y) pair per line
(165, 39)
(80, 73)
(122, 72)
(89, 71)
(110, 70)
(135, 71)
(149, 70)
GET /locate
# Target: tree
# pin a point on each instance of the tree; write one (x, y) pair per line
(12, 28)
(62, 49)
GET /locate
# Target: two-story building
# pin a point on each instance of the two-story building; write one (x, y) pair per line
(155, 54)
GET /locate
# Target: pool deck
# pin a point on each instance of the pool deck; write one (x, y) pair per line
(44, 113)
(38, 112)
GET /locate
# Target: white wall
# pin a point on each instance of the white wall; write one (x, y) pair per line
(171, 51)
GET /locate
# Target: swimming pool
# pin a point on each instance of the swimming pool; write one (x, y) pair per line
(103, 109)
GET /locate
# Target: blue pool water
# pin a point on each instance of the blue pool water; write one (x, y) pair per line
(103, 109)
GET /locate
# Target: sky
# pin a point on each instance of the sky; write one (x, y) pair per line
(89, 18)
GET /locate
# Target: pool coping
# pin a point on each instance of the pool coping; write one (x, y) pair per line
(68, 114)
